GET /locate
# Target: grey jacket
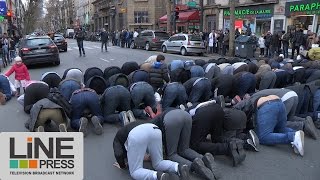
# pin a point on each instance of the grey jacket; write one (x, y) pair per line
(35, 110)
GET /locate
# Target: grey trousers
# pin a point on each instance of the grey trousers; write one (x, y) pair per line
(178, 124)
(143, 138)
(268, 80)
(294, 122)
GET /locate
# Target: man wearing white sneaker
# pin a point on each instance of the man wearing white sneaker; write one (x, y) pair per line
(271, 119)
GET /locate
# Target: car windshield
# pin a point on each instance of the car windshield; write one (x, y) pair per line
(38, 42)
(161, 34)
(194, 38)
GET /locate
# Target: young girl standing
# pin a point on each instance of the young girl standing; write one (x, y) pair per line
(21, 74)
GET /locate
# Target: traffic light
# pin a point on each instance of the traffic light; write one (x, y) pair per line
(176, 13)
(9, 16)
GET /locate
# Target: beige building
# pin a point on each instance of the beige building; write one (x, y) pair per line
(145, 14)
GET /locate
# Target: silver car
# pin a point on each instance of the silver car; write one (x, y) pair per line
(184, 43)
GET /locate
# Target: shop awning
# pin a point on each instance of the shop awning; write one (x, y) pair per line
(184, 16)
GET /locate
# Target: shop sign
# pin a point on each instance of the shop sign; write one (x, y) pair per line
(192, 4)
(3, 8)
(307, 7)
(265, 11)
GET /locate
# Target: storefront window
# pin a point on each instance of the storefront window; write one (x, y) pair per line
(318, 28)
(262, 26)
(303, 22)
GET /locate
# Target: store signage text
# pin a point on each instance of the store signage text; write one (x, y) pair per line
(262, 11)
(302, 8)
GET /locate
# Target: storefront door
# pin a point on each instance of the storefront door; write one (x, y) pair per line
(211, 23)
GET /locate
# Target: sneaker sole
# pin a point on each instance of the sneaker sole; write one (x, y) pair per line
(2, 99)
(98, 129)
(255, 138)
(125, 120)
(131, 116)
(185, 173)
(83, 127)
(40, 129)
(62, 128)
(302, 141)
(165, 176)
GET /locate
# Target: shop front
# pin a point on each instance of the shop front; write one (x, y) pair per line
(257, 18)
(304, 15)
(188, 21)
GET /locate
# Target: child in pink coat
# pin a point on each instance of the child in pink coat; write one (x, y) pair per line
(21, 74)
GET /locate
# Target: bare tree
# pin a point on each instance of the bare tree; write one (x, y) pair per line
(201, 15)
(32, 14)
(232, 26)
(168, 9)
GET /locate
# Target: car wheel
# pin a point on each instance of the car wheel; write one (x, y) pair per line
(164, 49)
(65, 50)
(200, 54)
(147, 47)
(133, 45)
(183, 51)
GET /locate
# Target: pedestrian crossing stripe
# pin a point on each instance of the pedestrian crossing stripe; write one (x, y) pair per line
(90, 47)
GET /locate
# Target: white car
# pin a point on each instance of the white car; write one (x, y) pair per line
(184, 43)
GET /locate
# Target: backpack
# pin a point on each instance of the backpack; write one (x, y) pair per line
(314, 53)
(56, 97)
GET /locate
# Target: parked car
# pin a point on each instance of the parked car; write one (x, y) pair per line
(38, 50)
(184, 43)
(60, 42)
(149, 39)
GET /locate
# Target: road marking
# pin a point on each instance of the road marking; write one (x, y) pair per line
(104, 60)
(88, 47)
(111, 59)
(97, 47)
(69, 49)
(75, 47)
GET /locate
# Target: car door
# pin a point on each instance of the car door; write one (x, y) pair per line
(171, 43)
(138, 39)
(180, 42)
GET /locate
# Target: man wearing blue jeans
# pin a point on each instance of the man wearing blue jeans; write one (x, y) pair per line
(80, 37)
(269, 119)
(198, 89)
(174, 94)
(5, 90)
(142, 93)
(81, 100)
(115, 103)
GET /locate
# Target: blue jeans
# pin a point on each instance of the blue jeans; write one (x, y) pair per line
(67, 87)
(5, 87)
(200, 92)
(245, 84)
(81, 101)
(115, 98)
(174, 95)
(271, 119)
(285, 50)
(80, 45)
(142, 92)
(316, 104)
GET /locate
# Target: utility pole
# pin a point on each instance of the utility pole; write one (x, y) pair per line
(201, 16)
(232, 4)
(168, 8)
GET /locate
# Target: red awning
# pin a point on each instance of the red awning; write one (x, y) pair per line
(184, 16)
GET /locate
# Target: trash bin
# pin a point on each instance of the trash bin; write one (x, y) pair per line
(245, 46)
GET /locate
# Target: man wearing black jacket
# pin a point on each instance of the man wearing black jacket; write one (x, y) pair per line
(104, 39)
(133, 141)
(297, 41)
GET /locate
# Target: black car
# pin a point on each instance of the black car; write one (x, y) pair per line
(149, 39)
(61, 42)
(38, 50)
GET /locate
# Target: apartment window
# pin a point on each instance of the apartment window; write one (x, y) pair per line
(210, 2)
(141, 17)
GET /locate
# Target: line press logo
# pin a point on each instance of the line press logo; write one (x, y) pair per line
(41, 155)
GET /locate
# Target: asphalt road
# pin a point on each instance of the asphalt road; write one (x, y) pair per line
(276, 163)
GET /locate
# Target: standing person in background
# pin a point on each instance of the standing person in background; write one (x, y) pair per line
(297, 41)
(5, 49)
(80, 37)
(220, 41)
(211, 41)
(12, 49)
(237, 33)
(261, 45)
(274, 45)
(135, 34)
(104, 39)
(285, 43)
(225, 42)
(117, 37)
(267, 43)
